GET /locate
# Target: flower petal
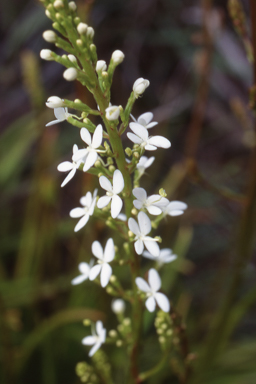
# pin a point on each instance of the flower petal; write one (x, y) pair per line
(95, 271)
(90, 160)
(109, 252)
(139, 130)
(135, 139)
(137, 204)
(147, 117)
(60, 114)
(52, 123)
(103, 201)
(150, 304)
(152, 246)
(142, 284)
(105, 183)
(151, 125)
(148, 255)
(159, 141)
(94, 349)
(81, 223)
(140, 194)
(105, 275)
(153, 210)
(144, 223)
(97, 250)
(97, 136)
(88, 340)
(116, 206)
(68, 177)
(79, 279)
(154, 280)
(84, 268)
(65, 166)
(150, 147)
(133, 226)
(80, 154)
(162, 301)
(139, 246)
(76, 212)
(86, 136)
(118, 181)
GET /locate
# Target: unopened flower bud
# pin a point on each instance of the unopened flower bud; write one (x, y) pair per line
(101, 66)
(72, 58)
(54, 102)
(48, 14)
(113, 333)
(46, 54)
(119, 343)
(70, 74)
(112, 113)
(49, 36)
(90, 32)
(117, 57)
(79, 42)
(118, 306)
(82, 28)
(139, 86)
(72, 6)
(58, 4)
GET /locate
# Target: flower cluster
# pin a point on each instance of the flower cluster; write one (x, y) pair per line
(121, 196)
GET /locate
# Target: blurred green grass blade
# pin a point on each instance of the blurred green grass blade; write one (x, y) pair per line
(14, 145)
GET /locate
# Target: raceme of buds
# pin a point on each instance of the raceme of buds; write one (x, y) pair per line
(70, 74)
(46, 54)
(139, 86)
(49, 36)
(122, 205)
(117, 57)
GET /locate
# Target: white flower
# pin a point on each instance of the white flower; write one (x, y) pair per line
(104, 258)
(101, 66)
(68, 166)
(139, 86)
(165, 256)
(61, 114)
(89, 154)
(145, 120)
(140, 136)
(117, 57)
(144, 163)
(112, 113)
(141, 230)
(112, 193)
(58, 4)
(175, 208)
(84, 268)
(49, 36)
(97, 339)
(46, 54)
(70, 74)
(152, 288)
(82, 28)
(118, 306)
(88, 201)
(152, 203)
(54, 102)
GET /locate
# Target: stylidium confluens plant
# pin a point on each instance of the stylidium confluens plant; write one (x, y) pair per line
(120, 201)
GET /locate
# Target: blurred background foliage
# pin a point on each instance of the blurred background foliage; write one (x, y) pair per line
(199, 79)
